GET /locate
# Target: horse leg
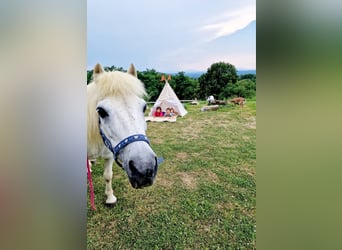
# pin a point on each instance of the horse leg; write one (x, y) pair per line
(90, 165)
(108, 175)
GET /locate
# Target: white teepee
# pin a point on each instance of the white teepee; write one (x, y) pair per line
(169, 99)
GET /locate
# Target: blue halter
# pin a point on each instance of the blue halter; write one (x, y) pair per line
(123, 143)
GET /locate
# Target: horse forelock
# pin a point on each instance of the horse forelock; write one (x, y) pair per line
(118, 83)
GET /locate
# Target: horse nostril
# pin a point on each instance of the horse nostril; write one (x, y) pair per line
(131, 166)
(149, 173)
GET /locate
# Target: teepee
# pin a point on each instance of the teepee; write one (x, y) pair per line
(169, 99)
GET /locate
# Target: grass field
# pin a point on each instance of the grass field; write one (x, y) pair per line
(204, 196)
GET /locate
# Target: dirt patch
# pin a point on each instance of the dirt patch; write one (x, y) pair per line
(204, 229)
(211, 176)
(225, 206)
(188, 179)
(251, 123)
(164, 182)
(182, 156)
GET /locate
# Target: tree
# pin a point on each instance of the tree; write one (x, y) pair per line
(185, 87)
(153, 85)
(113, 68)
(89, 76)
(244, 88)
(248, 76)
(215, 80)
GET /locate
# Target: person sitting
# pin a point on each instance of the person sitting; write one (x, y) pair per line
(158, 112)
(168, 113)
(173, 112)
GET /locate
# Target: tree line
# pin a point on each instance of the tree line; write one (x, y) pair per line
(220, 80)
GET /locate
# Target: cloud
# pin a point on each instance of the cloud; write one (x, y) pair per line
(229, 22)
(168, 37)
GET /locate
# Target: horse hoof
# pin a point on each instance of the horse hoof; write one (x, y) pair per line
(110, 205)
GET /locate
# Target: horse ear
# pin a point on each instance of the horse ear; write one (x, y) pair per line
(132, 71)
(97, 70)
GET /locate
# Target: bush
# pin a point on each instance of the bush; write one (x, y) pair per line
(244, 88)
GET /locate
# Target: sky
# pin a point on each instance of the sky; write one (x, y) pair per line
(171, 36)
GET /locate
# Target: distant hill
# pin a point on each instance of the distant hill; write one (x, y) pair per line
(197, 74)
(244, 72)
(194, 74)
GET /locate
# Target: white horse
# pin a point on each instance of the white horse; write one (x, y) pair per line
(116, 127)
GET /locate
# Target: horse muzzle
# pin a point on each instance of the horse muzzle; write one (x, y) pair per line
(142, 174)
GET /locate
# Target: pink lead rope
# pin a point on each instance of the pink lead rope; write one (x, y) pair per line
(91, 189)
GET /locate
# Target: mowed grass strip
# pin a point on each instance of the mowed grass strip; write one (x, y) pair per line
(204, 196)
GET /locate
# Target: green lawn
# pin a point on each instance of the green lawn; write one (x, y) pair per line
(204, 196)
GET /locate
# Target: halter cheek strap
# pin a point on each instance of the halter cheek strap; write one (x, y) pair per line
(123, 143)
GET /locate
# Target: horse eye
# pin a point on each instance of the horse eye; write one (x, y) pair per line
(144, 109)
(103, 113)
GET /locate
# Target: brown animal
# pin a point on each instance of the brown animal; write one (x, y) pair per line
(238, 101)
